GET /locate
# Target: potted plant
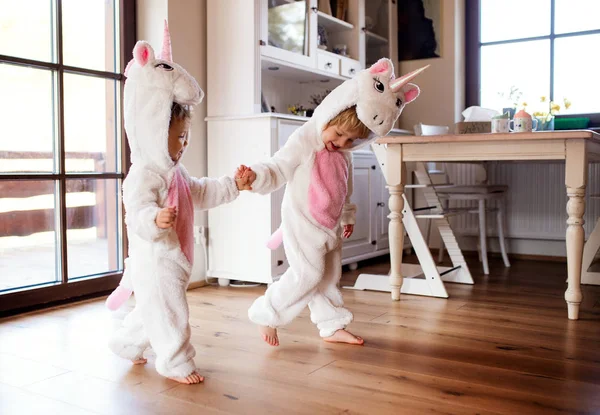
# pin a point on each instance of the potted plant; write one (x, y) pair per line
(511, 99)
(547, 112)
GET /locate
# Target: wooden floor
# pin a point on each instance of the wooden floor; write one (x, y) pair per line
(503, 345)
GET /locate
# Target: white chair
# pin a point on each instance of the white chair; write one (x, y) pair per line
(590, 252)
(481, 192)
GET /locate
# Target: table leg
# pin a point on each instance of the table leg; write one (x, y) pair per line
(396, 231)
(575, 181)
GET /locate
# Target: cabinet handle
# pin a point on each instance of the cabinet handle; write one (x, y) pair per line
(352, 71)
(373, 242)
(329, 65)
(279, 263)
(314, 9)
(262, 43)
(380, 204)
(373, 167)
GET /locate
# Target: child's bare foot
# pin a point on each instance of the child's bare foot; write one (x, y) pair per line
(141, 361)
(190, 379)
(343, 336)
(269, 334)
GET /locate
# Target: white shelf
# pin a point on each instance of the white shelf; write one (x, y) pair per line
(333, 24)
(298, 73)
(375, 39)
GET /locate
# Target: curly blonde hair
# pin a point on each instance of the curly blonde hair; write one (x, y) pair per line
(348, 120)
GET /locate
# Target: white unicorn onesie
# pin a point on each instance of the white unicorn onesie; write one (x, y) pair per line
(160, 260)
(317, 201)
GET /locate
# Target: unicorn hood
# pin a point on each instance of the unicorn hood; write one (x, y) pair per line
(152, 85)
(379, 98)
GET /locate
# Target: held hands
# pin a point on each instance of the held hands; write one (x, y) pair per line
(244, 177)
(166, 217)
(348, 229)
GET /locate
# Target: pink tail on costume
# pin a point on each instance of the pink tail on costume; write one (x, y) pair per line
(275, 240)
(117, 298)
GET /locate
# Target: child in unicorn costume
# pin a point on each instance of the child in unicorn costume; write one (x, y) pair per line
(316, 164)
(159, 198)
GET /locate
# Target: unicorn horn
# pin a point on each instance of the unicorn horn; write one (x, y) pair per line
(396, 84)
(166, 53)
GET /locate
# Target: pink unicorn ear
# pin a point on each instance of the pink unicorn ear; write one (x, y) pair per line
(411, 92)
(382, 66)
(143, 53)
(166, 54)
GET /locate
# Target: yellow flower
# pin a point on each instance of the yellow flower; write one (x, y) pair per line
(543, 98)
(538, 114)
(567, 103)
(524, 104)
(554, 107)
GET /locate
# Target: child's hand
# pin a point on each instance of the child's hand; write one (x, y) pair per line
(348, 229)
(244, 177)
(166, 217)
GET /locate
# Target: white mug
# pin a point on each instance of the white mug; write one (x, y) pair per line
(523, 125)
(500, 125)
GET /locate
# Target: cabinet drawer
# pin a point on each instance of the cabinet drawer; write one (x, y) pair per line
(349, 67)
(328, 63)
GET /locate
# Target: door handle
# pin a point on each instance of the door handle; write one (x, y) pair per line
(380, 204)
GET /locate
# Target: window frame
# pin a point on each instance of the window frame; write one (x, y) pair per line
(473, 46)
(34, 297)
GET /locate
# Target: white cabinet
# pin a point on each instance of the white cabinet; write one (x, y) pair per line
(238, 232)
(251, 67)
(361, 241)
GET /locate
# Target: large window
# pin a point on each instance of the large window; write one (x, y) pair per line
(61, 141)
(521, 51)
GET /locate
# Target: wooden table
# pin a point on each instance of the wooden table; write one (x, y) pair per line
(577, 148)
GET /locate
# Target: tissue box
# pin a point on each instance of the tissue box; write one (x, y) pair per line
(472, 127)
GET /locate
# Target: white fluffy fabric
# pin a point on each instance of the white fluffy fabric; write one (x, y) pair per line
(157, 270)
(314, 251)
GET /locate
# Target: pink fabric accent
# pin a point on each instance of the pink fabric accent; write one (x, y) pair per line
(166, 53)
(141, 54)
(328, 187)
(117, 298)
(380, 66)
(411, 93)
(180, 197)
(276, 240)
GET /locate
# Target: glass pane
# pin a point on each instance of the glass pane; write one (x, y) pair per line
(91, 130)
(89, 39)
(27, 234)
(93, 218)
(287, 25)
(514, 19)
(27, 101)
(27, 29)
(576, 15)
(576, 73)
(500, 75)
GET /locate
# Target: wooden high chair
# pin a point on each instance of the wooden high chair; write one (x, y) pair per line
(481, 192)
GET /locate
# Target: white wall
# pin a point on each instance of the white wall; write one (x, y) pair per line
(187, 26)
(443, 84)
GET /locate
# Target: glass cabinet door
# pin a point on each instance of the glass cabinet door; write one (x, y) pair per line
(288, 25)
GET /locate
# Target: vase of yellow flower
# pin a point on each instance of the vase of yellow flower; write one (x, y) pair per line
(545, 116)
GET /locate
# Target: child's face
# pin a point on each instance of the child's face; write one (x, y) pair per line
(335, 138)
(178, 138)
